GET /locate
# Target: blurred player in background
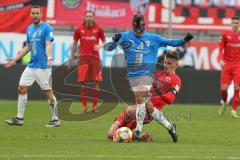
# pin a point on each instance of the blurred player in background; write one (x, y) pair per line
(229, 59)
(39, 42)
(140, 49)
(164, 89)
(89, 69)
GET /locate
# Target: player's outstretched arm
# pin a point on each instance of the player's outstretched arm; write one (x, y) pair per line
(176, 42)
(11, 61)
(112, 45)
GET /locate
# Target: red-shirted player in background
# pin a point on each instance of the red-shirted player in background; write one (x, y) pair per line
(89, 69)
(164, 90)
(229, 59)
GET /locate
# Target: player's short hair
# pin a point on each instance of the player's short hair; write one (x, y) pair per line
(235, 18)
(38, 7)
(173, 55)
(89, 11)
(138, 17)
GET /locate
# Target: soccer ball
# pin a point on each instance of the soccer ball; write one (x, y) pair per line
(123, 134)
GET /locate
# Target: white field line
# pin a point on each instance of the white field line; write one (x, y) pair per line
(119, 156)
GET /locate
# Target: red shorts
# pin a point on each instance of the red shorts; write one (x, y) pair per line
(89, 69)
(231, 72)
(157, 102)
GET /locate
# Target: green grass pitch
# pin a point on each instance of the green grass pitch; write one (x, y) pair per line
(202, 135)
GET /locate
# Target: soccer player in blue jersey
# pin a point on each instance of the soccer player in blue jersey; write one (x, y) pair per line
(140, 50)
(39, 43)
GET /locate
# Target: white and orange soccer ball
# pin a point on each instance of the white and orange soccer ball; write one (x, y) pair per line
(123, 134)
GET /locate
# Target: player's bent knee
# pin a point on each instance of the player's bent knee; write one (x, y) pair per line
(131, 110)
(140, 100)
(22, 89)
(52, 101)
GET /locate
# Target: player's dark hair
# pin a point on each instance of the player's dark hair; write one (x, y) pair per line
(89, 11)
(38, 7)
(173, 55)
(235, 18)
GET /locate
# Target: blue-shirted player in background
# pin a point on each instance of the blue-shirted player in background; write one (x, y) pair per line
(140, 50)
(39, 42)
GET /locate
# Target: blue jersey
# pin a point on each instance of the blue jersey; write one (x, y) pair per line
(141, 52)
(36, 38)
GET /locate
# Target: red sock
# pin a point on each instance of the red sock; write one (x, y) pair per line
(224, 95)
(95, 96)
(83, 96)
(235, 100)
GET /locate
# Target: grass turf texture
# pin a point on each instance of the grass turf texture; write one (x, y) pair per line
(202, 135)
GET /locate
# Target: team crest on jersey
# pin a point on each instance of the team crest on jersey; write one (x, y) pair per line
(126, 45)
(147, 43)
(167, 79)
(94, 31)
(228, 37)
(71, 4)
(82, 31)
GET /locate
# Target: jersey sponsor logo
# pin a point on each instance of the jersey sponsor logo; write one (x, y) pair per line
(126, 45)
(236, 45)
(94, 31)
(71, 4)
(90, 38)
(82, 31)
(229, 37)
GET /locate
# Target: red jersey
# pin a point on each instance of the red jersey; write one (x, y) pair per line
(126, 120)
(229, 47)
(165, 83)
(89, 37)
(168, 84)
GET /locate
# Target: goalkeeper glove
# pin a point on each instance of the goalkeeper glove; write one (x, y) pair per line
(116, 37)
(110, 46)
(188, 37)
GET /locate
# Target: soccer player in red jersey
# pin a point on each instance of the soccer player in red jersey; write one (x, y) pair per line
(164, 90)
(229, 59)
(89, 69)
